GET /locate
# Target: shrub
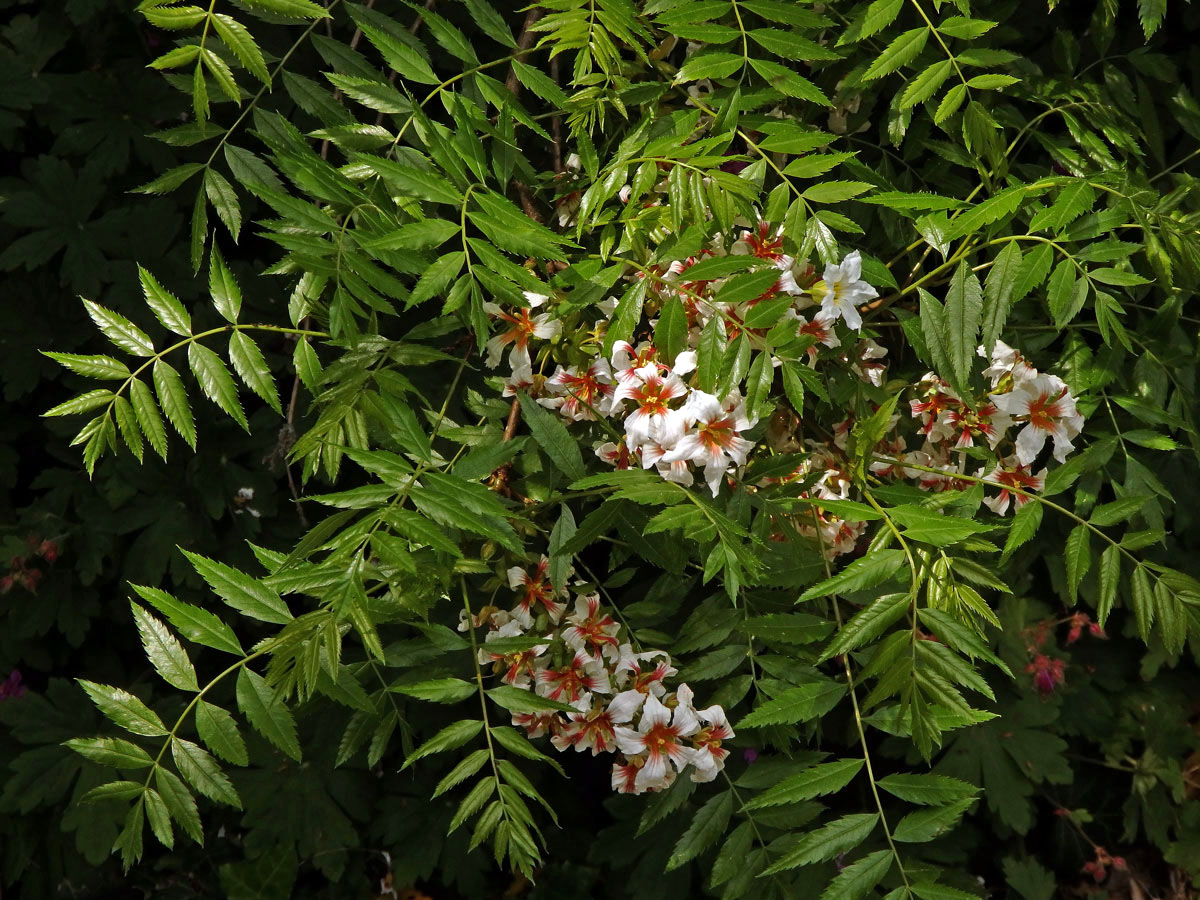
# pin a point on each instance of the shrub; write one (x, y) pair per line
(752, 406)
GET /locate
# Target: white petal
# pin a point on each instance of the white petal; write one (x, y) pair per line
(622, 707)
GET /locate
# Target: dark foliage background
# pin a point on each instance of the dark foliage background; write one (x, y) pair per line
(76, 104)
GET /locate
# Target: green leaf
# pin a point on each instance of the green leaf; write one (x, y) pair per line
(252, 368)
(308, 366)
(964, 309)
(224, 200)
(219, 731)
(107, 751)
(292, 9)
(827, 842)
(925, 85)
(449, 738)
(999, 293)
(437, 277)
(129, 841)
(226, 295)
(172, 397)
(400, 57)
(879, 15)
(216, 382)
(1118, 510)
(124, 709)
(1142, 597)
(1024, 525)
(540, 84)
(835, 191)
(203, 773)
(197, 625)
(493, 25)
(170, 179)
(1117, 277)
(784, 628)
(147, 413)
(114, 790)
(235, 36)
(160, 818)
(247, 595)
(127, 423)
(788, 82)
(869, 622)
(1078, 554)
(992, 81)
(120, 330)
(928, 824)
(180, 803)
(553, 438)
(934, 527)
(818, 781)
(83, 403)
(950, 103)
(873, 569)
(473, 802)
(709, 65)
(797, 704)
(857, 879)
(438, 690)
(516, 700)
(1110, 582)
(902, 50)
(460, 773)
(165, 306)
(515, 742)
(750, 286)
(266, 712)
(179, 56)
(671, 332)
(706, 827)
(790, 45)
(103, 368)
(1072, 202)
(927, 789)
(411, 182)
(372, 93)
(1060, 292)
(165, 653)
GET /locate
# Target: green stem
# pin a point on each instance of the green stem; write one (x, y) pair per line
(262, 651)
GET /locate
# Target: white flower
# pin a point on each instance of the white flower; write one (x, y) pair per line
(1006, 361)
(658, 736)
(574, 680)
(580, 396)
(842, 290)
(1049, 410)
(1011, 474)
(714, 442)
(521, 328)
(652, 419)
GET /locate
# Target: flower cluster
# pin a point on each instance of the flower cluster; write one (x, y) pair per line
(21, 573)
(1039, 406)
(669, 423)
(619, 696)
